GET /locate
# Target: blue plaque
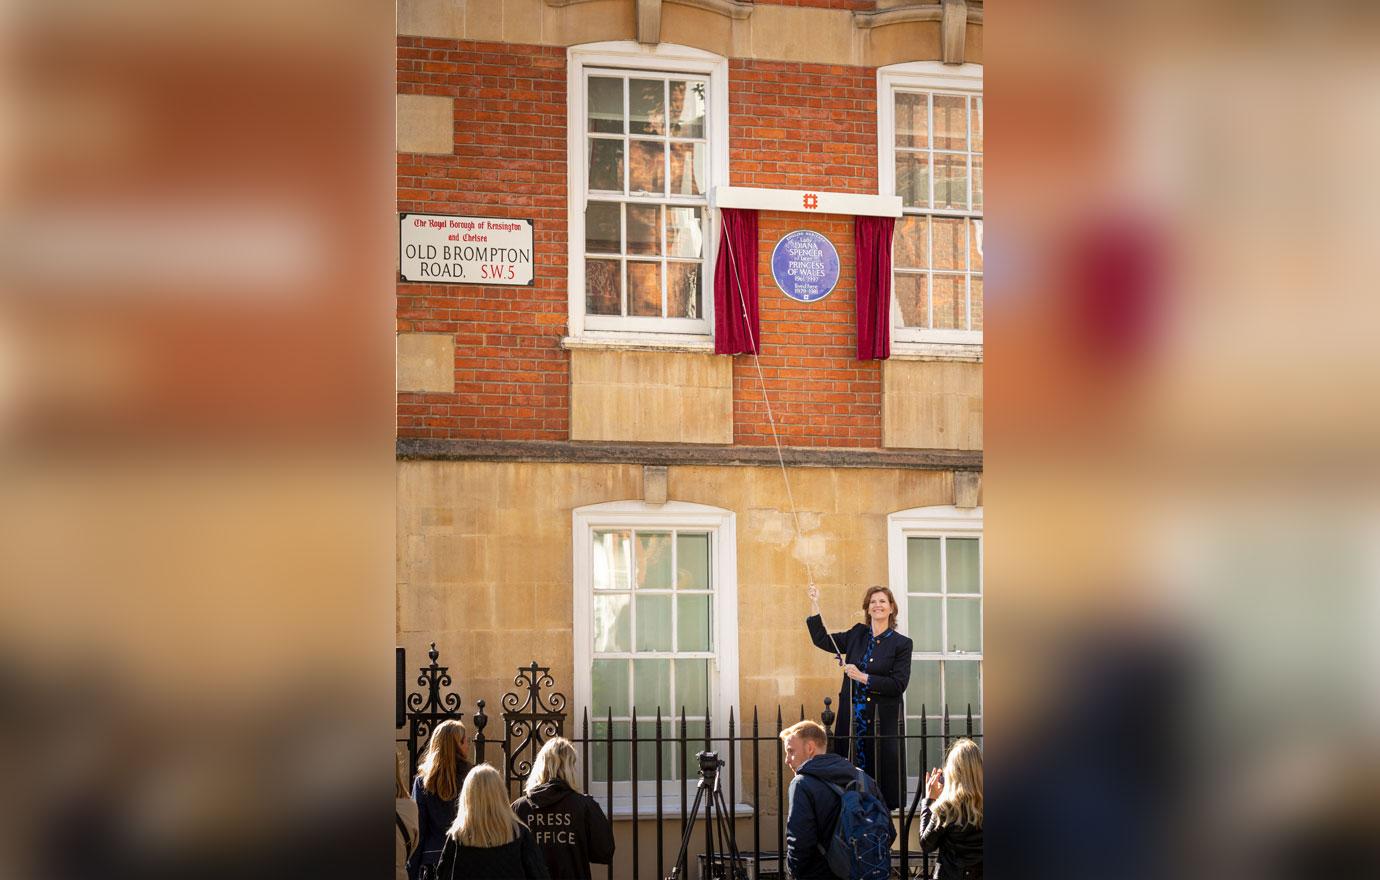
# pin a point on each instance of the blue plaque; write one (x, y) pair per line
(805, 265)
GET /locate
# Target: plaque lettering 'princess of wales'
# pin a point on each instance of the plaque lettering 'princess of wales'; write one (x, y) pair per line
(805, 265)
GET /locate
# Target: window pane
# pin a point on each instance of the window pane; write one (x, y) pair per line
(977, 183)
(950, 181)
(958, 725)
(692, 560)
(961, 685)
(965, 625)
(976, 297)
(644, 229)
(913, 179)
(647, 103)
(612, 623)
(975, 245)
(950, 302)
(687, 108)
(694, 731)
(610, 679)
(925, 626)
(910, 297)
(651, 686)
(950, 243)
(683, 290)
(605, 104)
(684, 232)
(692, 685)
(647, 169)
(610, 558)
(644, 289)
(692, 622)
(923, 755)
(646, 750)
(912, 120)
(910, 244)
(603, 227)
(599, 751)
(687, 169)
(963, 565)
(654, 560)
(977, 125)
(605, 164)
(603, 287)
(924, 686)
(653, 622)
(922, 565)
(950, 122)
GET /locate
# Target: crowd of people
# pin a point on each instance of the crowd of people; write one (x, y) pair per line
(457, 824)
(457, 821)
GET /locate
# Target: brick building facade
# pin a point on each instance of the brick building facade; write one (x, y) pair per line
(569, 462)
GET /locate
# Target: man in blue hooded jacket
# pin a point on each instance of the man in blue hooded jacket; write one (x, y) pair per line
(813, 805)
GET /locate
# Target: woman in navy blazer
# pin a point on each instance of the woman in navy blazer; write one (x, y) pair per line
(876, 671)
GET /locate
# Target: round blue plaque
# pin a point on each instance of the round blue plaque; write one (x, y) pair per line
(805, 265)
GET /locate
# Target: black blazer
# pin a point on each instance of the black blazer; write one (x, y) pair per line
(888, 672)
(888, 675)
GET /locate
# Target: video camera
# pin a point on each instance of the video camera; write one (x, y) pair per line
(709, 762)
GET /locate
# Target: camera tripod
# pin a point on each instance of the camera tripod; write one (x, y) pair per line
(710, 764)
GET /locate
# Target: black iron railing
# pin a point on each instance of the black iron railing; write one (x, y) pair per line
(755, 759)
(754, 776)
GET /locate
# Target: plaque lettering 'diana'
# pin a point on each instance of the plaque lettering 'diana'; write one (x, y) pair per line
(805, 265)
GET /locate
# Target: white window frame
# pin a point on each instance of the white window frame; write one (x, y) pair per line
(933, 522)
(930, 76)
(722, 527)
(658, 60)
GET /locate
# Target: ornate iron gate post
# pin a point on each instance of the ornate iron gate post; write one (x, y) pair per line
(530, 723)
(425, 712)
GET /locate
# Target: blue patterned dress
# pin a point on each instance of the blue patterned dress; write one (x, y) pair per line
(862, 698)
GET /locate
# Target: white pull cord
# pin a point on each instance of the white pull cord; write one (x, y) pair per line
(771, 421)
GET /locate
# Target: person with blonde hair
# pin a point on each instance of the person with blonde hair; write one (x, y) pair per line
(440, 775)
(569, 826)
(488, 840)
(951, 814)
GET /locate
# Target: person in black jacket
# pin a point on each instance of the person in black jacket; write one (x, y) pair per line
(814, 806)
(876, 672)
(440, 775)
(951, 814)
(569, 826)
(488, 841)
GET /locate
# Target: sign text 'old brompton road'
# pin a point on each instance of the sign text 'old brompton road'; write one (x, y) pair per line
(464, 250)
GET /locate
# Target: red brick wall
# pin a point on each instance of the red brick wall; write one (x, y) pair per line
(512, 380)
(802, 126)
(792, 126)
(806, 126)
(820, 393)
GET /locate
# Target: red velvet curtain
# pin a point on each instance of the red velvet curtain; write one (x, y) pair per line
(872, 236)
(735, 283)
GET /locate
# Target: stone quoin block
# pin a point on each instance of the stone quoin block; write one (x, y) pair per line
(426, 362)
(426, 124)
